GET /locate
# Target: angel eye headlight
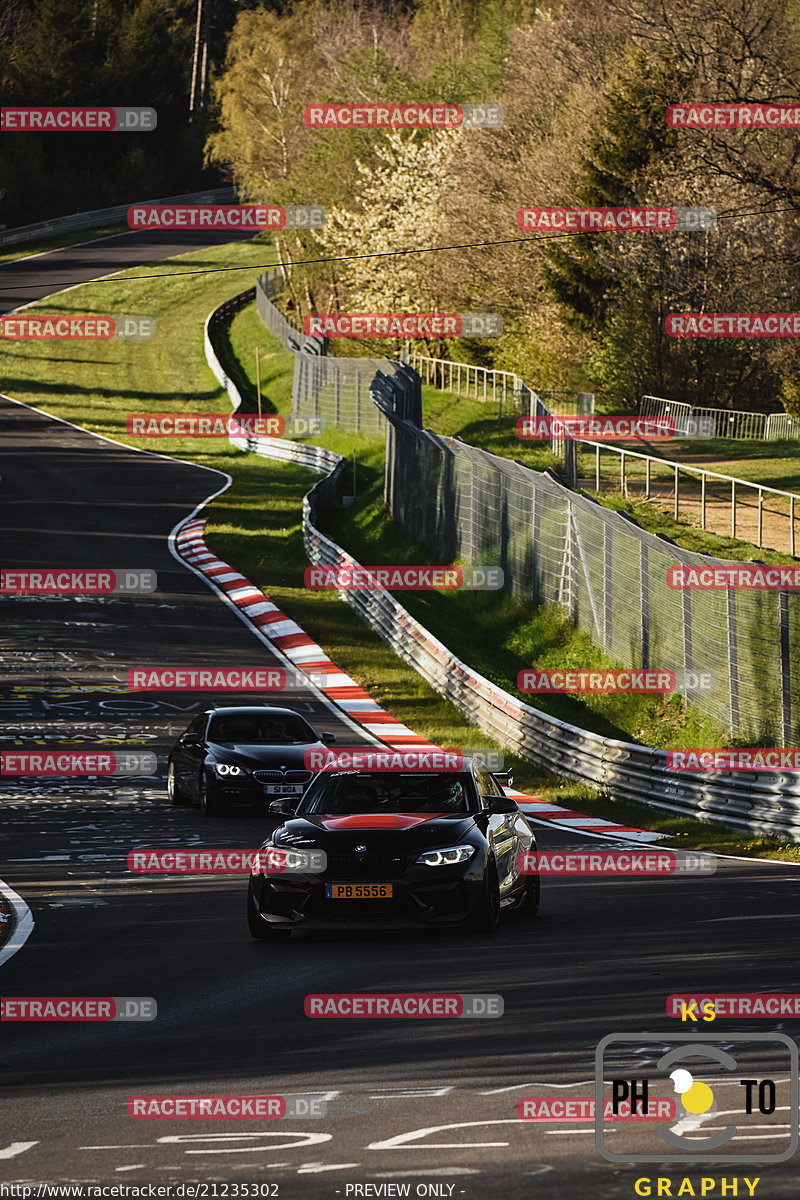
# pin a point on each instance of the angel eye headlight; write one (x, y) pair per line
(228, 769)
(446, 857)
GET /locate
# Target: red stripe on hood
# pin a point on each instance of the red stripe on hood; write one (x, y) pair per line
(379, 820)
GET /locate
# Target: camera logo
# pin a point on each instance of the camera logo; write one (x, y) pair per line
(759, 1081)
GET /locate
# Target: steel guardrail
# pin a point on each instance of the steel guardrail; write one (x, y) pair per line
(99, 216)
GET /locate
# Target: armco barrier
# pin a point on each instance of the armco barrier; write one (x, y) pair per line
(99, 216)
(767, 803)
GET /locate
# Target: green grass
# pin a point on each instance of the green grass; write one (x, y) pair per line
(26, 249)
(256, 524)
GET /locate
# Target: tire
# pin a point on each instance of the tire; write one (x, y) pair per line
(260, 929)
(174, 793)
(486, 917)
(208, 807)
(533, 894)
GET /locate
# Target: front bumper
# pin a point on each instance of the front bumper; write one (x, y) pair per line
(231, 791)
(419, 897)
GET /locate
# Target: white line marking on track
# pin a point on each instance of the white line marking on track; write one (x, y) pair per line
(22, 931)
(16, 1148)
(401, 1139)
(317, 1168)
(425, 1171)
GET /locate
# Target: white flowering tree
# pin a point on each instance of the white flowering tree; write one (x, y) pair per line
(395, 207)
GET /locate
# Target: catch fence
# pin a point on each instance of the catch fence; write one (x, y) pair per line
(607, 575)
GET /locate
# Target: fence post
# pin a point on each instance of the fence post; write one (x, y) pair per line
(686, 604)
(647, 479)
(733, 508)
(534, 545)
(571, 461)
(597, 467)
(622, 472)
(703, 500)
(423, 523)
(645, 590)
(733, 664)
(676, 493)
(760, 515)
(608, 569)
(791, 524)
(786, 670)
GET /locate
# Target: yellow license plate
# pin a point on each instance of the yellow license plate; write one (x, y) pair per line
(358, 891)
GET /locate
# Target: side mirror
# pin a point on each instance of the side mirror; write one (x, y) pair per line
(501, 804)
(192, 739)
(327, 738)
(283, 807)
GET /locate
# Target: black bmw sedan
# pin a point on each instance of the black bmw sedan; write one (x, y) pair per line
(399, 849)
(242, 757)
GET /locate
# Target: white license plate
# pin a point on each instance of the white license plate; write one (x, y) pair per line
(283, 789)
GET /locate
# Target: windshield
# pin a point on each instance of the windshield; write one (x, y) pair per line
(339, 795)
(261, 729)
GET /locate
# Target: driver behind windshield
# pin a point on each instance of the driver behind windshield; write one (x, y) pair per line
(392, 793)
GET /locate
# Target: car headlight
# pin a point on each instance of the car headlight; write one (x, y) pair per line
(228, 769)
(446, 857)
